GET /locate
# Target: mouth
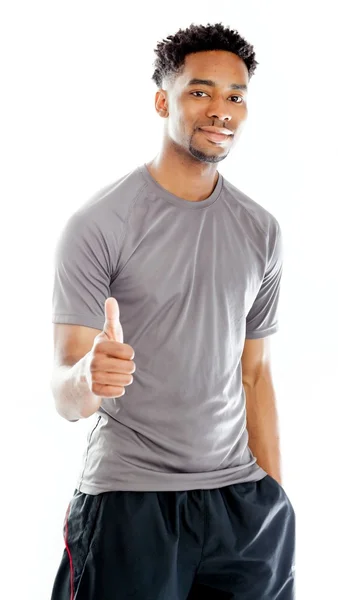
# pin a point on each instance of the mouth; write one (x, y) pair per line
(218, 138)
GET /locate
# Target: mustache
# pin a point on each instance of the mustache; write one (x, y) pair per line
(221, 125)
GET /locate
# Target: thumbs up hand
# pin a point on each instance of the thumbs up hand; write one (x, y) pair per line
(110, 364)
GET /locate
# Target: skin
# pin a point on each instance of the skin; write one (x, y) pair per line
(186, 164)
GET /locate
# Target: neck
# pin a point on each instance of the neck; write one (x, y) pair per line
(190, 180)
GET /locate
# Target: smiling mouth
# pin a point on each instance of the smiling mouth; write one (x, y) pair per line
(218, 138)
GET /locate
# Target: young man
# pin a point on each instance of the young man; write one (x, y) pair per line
(179, 495)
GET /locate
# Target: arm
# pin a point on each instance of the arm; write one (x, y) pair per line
(82, 260)
(73, 399)
(262, 417)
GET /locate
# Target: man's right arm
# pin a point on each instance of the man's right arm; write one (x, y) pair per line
(73, 398)
(69, 384)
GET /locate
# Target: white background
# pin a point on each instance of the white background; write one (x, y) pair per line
(77, 113)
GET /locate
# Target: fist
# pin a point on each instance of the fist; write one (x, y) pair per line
(110, 365)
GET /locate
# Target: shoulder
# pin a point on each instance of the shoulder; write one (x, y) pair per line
(106, 211)
(114, 198)
(249, 211)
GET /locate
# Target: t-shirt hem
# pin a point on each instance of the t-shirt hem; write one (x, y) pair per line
(173, 484)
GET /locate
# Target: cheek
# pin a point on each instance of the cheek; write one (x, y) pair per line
(244, 114)
(178, 126)
(240, 119)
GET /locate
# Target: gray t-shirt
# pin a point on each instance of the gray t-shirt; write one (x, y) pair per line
(192, 280)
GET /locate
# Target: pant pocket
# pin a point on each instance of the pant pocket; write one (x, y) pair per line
(281, 489)
(80, 524)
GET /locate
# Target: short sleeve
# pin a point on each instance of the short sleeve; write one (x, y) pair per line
(262, 319)
(83, 263)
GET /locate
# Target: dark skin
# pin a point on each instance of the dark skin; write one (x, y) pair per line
(186, 164)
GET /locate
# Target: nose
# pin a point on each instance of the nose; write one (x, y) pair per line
(220, 117)
(218, 110)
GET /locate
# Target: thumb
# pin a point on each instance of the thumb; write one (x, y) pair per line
(112, 326)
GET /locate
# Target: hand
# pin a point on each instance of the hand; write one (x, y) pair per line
(110, 363)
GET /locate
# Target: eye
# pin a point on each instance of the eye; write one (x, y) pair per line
(198, 92)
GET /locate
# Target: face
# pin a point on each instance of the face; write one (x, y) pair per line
(219, 101)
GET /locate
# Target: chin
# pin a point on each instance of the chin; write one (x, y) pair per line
(207, 158)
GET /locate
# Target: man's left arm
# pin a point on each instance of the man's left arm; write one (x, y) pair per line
(261, 408)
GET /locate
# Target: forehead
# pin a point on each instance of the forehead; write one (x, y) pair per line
(219, 65)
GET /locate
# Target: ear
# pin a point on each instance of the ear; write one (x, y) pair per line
(161, 103)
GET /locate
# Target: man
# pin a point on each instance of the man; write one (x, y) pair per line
(179, 495)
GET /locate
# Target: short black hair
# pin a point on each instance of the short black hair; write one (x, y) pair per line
(171, 52)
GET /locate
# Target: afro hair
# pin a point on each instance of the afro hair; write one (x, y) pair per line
(171, 52)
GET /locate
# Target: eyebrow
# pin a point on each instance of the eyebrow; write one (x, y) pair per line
(233, 86)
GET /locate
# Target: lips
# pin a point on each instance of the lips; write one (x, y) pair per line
(218, 130)
(216, 137)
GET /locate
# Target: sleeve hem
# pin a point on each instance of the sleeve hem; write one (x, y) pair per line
(93, 321)
(253, 335)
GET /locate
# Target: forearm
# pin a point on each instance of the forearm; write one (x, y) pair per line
(73, 398)
(262, 426)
